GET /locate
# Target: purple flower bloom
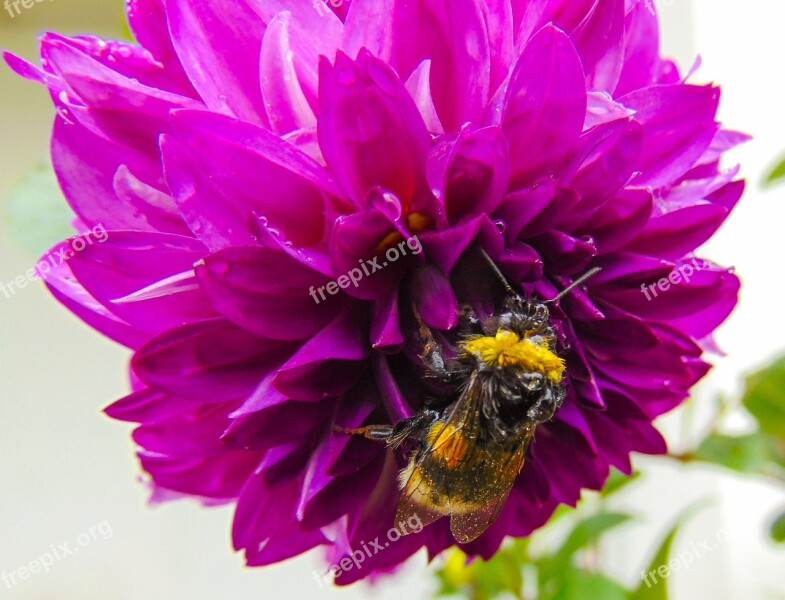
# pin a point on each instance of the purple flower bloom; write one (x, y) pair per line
(247, 154)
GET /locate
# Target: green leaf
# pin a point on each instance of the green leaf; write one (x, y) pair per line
(653, 587)
(553, 568)
(776, 173)
(617, 481)
(484, 580)
(38, 215)
(500, 574)
(588, 531)
(765, 398)
(581, 585)
(777, 530)
(747, 453)
(654, 584)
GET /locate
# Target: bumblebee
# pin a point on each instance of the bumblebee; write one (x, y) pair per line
(507, 378)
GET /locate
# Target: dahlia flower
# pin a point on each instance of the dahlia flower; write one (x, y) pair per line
(249, 157)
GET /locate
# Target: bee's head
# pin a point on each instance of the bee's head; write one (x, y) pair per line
(521, 315)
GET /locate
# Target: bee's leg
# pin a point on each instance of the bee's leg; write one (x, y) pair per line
(395, 435)
(377, 433)
(432, 354)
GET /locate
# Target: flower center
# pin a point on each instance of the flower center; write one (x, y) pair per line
(415, 223)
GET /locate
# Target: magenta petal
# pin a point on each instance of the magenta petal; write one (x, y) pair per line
(455, 37)
(263, 510)
(286, 104)
(471, 175)
(370, 131)
(570, 255)
(261, 430)
(609, 159)
(520, 208)
(632, 208)
(122, 108)
(267, 292)
(311, 373)
(72, 294)
(433, 296)
(546, 104)
(695, 307)
(600, 42)
(676, 233)
(219, 476)
(216, 166)
(641, 48)
(678, 125)
(385, 327)
(393, 399)
(148, 405)
(445, 248)
(520, 262)
(87, 166)
(602, 108)
(364, 265)
(419, 86)
(180, 434)
(147, 19)
(306, 18)
(214, 359)
(461, 69)
(221, 55)
(146, 258)
(499, 22)
(388, 29)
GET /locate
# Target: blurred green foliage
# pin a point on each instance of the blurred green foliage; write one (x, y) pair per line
(776, 174)
(36, 212)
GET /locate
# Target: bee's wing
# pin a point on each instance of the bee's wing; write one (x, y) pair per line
(417, 500)
(463, 420)
(467, 526)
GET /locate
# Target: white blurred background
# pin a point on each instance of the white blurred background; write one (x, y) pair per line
(65, 468)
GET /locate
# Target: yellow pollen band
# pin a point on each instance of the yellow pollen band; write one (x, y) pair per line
(507, 349)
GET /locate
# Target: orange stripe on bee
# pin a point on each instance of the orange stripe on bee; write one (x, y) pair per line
(449, 444)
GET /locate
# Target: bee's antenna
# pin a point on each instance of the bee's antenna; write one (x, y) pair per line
(498, 272)
(582, 279)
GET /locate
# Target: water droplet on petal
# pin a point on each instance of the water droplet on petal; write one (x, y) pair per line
(500, 225)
